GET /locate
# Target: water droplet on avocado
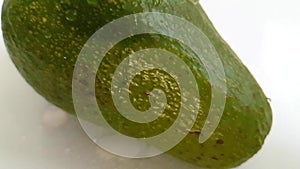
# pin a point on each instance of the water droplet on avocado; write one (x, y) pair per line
(71, 15)
(65, 2)
(47, 34)
(92, 2)
(156, 2)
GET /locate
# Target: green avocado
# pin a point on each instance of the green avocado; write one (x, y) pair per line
(45, 37)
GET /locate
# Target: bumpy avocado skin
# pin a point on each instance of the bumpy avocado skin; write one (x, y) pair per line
(44, 38)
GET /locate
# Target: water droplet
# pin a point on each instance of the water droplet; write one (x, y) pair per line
(65, 2)
(44, 20)
(92, 2)
(47, 34)
(156, 2)
(71, 15)
(195, 2)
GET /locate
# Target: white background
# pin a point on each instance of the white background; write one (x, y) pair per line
(264, 33)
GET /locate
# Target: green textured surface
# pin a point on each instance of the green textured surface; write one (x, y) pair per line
(44, 38)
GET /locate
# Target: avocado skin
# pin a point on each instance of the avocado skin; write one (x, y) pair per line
(44, 38)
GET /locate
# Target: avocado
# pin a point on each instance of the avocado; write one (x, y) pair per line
(45, 37)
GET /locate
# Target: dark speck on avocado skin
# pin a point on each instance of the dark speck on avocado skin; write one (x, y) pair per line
(44, 38)
(220, 141)
(215, 158)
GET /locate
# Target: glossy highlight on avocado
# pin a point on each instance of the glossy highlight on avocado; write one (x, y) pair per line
(44, 38)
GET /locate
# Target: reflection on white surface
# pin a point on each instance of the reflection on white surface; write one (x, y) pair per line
(268, 45)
